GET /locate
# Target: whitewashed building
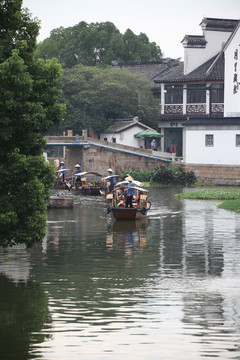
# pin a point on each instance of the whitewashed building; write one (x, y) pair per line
(123, 131)
(216, 140)
(200, 105)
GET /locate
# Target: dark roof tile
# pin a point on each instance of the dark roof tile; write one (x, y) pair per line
(194, 40)
(212, 121)
(219, 24)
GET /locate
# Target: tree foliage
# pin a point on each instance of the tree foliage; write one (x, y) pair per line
(29, 105)
(95, 97)
(96, 44)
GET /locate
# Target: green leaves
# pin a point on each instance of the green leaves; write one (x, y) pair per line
(24, 189)
(96, 44)
(29, 105)
(95, 97)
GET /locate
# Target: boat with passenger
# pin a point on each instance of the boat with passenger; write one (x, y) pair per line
(119, 204)
(89, 184)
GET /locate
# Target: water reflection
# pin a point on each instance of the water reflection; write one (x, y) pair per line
(112, 289)
(23, 314)
(127, 235)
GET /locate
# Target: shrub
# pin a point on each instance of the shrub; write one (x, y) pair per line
(166, 175)
(163, 175)
(141, 175)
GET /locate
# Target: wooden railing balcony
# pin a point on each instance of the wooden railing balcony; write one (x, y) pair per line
(196, 109)
(178, 109)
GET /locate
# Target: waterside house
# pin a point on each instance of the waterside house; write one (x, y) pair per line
(122, 132)
(200, 97)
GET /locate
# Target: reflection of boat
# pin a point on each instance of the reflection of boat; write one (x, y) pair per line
(141, 205)
(128, 213)
(128, 234)
(128, 225)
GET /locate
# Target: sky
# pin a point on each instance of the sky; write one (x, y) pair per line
(164, 22)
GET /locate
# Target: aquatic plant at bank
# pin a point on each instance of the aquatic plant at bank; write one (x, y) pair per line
(231, 197)
(211, 194)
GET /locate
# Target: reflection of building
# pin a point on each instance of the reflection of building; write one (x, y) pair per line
(203, 249)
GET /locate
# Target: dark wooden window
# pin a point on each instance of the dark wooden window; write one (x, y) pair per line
(173, 94)
(217, 93)
(196, 94)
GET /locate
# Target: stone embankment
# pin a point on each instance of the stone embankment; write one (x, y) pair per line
(96, 155)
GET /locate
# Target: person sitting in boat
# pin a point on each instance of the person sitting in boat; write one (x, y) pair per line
(78, 178)
(112, 180)
(130, 191)
(62, 166)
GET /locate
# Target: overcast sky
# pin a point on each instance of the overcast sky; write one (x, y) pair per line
(164, 22)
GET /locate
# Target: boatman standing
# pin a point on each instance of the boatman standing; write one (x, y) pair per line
(130, 191)
(78, 178)
(62, 166)
(112, 180)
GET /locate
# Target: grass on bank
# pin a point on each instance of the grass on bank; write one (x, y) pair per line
(232, 205)
(211, 194)
(231, 197)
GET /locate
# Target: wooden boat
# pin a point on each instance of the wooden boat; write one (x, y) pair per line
(128, 213)
(87, 187)
(59, 184)
(141, 205)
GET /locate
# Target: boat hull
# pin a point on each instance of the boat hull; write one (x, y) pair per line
(128, 213)
(86, 191)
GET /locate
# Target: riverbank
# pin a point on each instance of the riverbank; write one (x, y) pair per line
(230, 197)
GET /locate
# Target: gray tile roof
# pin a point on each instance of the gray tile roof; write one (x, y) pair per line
(184, 117)
(219, 24)
(172, 71)
(210, 70)
(150, 70)
(121, 125)
(193, 40)
(212, 121)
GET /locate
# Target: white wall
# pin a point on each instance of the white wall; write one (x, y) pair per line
(194, 57)
(126, 137)
(232, 67)
(224, 151)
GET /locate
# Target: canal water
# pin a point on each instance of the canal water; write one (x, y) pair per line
(164, 288)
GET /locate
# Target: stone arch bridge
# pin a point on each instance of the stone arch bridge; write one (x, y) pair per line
(96, 155)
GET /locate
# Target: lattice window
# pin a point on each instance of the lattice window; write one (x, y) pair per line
(237, 139)
(209, 140)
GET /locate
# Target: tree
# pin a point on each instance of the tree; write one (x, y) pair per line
(95, 97)
(96, 44)
(29, 106)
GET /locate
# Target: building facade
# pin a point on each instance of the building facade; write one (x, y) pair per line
(203, 87)
(122, 132)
